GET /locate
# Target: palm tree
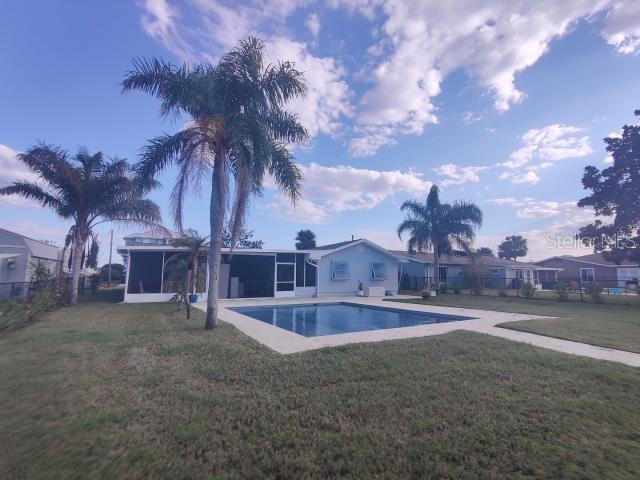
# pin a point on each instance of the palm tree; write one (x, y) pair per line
(193, 246)
(305, 239)
(86, 189)
(237, 131)
(439, 226)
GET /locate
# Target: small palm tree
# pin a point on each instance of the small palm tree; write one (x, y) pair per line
(193, 247)
(237, 131)
(305, 239)
(86, 189)
(439, 226)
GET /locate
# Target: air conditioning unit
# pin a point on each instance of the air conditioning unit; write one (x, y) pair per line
(374, 291)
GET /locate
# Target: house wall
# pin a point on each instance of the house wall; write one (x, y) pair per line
(628, 275)
(360, 257)
(605, 276)
(13, 278)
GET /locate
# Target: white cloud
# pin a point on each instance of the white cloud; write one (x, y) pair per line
(541, 148)
(39, 231)
(529, 207)
(469, 117)
(457, 175)
(608, 159)
(622, 28)
(215, 27)
(331, 190)
(12, 170)
(492, 42)
(328, 97)
(313, 24)
(158, 20)
(415, 46)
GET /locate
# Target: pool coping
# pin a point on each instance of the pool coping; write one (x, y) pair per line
(286, 342)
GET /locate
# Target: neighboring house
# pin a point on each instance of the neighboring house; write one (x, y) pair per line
(17, 254)
(257, 273)
(455, 267)
(594, 268)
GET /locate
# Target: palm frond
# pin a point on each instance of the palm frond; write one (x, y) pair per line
(33, 191)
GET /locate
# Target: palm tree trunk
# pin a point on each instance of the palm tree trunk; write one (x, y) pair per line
(185, 293)
(436, 268)
(216, 218)
(194, 278)
(76, 267)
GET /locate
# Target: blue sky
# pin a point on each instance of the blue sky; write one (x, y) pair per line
(502, 103)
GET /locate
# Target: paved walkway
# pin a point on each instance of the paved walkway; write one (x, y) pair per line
(483, 321)
(565, 346)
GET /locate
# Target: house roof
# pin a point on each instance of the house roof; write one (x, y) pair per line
(38, 248)
(592, 259)
(333, 246)
(155, 233)
(449, 259)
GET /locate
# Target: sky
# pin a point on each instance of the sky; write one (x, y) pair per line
(502, 103)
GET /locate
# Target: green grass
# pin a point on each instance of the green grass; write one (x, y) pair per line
(614, 325)
(134, 391)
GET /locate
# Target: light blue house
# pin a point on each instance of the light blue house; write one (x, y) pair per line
(330, 270)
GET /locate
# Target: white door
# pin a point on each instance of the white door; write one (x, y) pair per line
(285, 279)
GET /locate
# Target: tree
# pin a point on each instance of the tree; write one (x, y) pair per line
(244, 239)
(514, 246)
(237, 131)
(485, 252)
(614, 193)
(305, 239)
(438, 226)
(86, 189)
(193, 246)
(117, 272)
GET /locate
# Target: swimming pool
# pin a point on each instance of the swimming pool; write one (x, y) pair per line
(314, 320)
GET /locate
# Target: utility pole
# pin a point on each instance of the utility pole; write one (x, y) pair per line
(110, 252)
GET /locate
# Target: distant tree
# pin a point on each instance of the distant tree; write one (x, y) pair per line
(85, 189)
(117, 273)
(305, 239)
(615, 193)
(514, 246)
(485, 252)
(92, 258)
(434, 225)
(244, 239)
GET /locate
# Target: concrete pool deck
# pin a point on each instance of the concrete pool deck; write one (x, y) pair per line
(484, 321)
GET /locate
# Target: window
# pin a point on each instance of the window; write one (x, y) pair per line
(495, 271)
(340, 270)
(378, 271)
(587, 275)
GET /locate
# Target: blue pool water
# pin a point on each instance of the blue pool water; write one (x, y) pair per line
(313, 320)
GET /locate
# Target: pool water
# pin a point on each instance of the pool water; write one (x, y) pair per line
(313, 320)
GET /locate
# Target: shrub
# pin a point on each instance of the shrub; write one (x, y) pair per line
(502, 292)
(528, 290)
(594, 291)
(425, 294)
(456, 290)
(15, 314)
(562, 291)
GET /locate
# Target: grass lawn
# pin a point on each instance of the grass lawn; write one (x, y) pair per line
(614, 325)
(134, 391)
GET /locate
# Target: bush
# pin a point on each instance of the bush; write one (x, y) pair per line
(594, 291)
(562, 291)
(16, 314)
(528, 290)
(425, 294)
(456, 290)
(502, 292)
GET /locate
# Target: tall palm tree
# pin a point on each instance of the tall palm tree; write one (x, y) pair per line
(237, 131)
(86, 189)
(439, 226)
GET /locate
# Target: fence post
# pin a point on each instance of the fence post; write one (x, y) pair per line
(580, 290)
